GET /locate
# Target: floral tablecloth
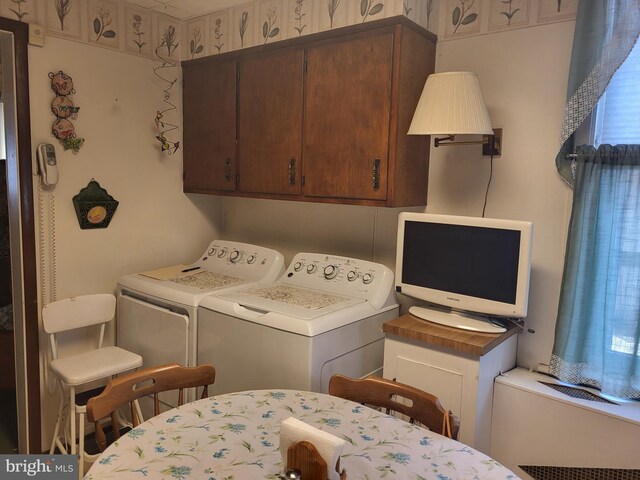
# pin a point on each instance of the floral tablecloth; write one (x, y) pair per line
(236, 436)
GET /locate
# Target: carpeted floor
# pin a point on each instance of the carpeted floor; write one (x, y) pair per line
(8, 422)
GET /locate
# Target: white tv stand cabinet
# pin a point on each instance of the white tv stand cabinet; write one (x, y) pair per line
(458, 366)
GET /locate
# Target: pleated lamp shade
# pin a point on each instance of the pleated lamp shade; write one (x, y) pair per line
(451, 103)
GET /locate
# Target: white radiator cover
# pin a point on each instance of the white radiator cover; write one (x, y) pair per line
(533, 424)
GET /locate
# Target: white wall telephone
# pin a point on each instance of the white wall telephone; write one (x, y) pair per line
(47, 164)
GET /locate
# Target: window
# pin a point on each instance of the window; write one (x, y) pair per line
(617, 115)
(617, 121)
(597, 340)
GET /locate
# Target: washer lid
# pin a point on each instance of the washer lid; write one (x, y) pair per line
(186, 290)
(291, 300)
(224, 265)
(205, 280)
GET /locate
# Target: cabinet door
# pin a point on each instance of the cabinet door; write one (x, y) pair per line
(270, 122)
(347, 114)
(209, 104)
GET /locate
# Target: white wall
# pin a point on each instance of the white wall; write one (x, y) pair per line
(523, 75)
(155, 223)
(292, 227)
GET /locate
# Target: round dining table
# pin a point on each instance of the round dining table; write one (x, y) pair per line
(236, 436)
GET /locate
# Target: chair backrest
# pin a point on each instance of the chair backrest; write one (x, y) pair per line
(149, 381)
(78, 312)
(416, 404)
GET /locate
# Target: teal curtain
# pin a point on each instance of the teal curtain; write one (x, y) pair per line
(597, 338)
(605, 33)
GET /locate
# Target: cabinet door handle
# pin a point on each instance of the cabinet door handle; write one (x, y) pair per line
(376, 174)
(227, 170)
(292, 171)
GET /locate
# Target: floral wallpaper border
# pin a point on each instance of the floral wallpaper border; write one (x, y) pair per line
(265, 21)
(113, 24)
(469, 17)
(260, 22)
(21, 10)
(120, 25)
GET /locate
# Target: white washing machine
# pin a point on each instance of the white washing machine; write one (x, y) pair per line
(157, 311)
(323, 316)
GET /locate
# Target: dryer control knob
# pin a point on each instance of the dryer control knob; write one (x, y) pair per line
(235, 256)
(298, 266)
(367, 278)
(330, 271)
(211, 251)
(352, 275)
(251, 259)
(222, 253)
(311, 268)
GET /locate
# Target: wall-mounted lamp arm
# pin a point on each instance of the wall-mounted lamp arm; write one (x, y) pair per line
(438, 142)
(491, 144)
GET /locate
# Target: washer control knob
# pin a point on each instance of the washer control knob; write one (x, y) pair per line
(298, 266)
(367, 278)
(235, 256)
(352, 275)
(251, 259)
(330, 271)
(222, 253)
(311, 268)
(211, 251)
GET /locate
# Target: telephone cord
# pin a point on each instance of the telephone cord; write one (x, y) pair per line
(48, 291)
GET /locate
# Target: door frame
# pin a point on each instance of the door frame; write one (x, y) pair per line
(22, 239)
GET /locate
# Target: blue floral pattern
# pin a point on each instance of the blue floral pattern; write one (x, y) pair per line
(236, 436)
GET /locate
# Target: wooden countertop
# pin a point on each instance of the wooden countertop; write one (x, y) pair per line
(475, 343)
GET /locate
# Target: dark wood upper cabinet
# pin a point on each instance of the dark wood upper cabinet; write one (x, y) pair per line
(320, 118)
(347, 114)
(209, 124)
(270, 122)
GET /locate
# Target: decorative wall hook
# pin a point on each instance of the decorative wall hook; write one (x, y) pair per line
(62, 107)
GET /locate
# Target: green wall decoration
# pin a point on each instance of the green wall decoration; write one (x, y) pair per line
(94, 206)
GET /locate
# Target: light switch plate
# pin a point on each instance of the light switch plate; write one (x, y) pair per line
(36, 34)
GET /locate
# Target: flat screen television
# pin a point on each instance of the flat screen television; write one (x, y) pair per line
(467, 269)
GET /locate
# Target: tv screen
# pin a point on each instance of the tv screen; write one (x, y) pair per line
(475, 261)
(468, 264)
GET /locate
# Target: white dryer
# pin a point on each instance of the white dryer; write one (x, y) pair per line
(323, 316)
(158, 316)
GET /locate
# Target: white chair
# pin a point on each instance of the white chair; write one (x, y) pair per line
(81, 369)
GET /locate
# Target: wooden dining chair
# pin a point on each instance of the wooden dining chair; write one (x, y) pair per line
(416, 404)
(149, 381)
